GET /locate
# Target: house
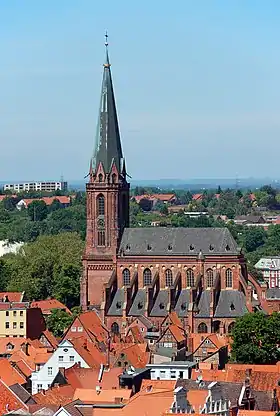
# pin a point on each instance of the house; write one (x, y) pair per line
(6, 247)
(49, 305)
(17, 319)
(154, 198)
(171, 370)
(250, 220)
(212, 348)
(173, 337)
(65, 356)
(135, 355)
(64, 201)
(270, 269)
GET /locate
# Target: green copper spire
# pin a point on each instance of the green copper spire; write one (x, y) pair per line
(108, 144)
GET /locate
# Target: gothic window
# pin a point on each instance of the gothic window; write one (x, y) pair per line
(101, 238)
(228, 278)
(168, 278)
(114, 178)
(147, 277)
(190, 278)
(100, 205)
(210, 278)
(115, 328)
(100, 177)
(126, 277)
(202, 328)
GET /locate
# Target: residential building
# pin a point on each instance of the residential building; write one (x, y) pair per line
(270, 269)
(17, 319)
(65, 356)
(48, 186)
(64, 201)
(127, 272)
(171, 370)
(49, 305)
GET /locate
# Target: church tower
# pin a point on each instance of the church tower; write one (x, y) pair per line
(107, 198)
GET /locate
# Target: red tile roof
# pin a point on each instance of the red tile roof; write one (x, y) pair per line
(9, 374)
(178, 333)
(136, 354)
(8, 400)
(89, 352)
(65, 200)
(48, 305)
(79, 377)
(12, 296)
(134, 335)
(92, 325)
(103, 396)
(60, 395)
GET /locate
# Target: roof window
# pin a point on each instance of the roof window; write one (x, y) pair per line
(127, 247)
(227, 247)
(169, 247)
(149, 247)
(184, 306)
(140, 305)
(211, 248)
(118, 305)
(161, 305)
(191, 247)
(232, 307)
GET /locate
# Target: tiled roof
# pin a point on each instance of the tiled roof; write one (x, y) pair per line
(243, 412)
(8, 400)
(137, 355)
(9, 374)
(89, 352)
(174, 319)
(12, 296)
(93, 326)
(51, 338)
(79, 377)
(22, 393)
(65, 200)
(177, 333)
(134, 335)
(48, 305)
(60, 395)
(218, 340)
(154, 241)
(104, 396)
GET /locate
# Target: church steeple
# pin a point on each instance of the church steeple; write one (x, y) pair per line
(108, 148)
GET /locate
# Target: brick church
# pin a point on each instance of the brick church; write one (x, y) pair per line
(127, 272)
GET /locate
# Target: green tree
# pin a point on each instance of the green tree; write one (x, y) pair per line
(37, 210)
(253, 237)
(58, 322)
(256, 338)
(164, 209)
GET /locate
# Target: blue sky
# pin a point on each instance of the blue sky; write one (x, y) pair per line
(196, 82)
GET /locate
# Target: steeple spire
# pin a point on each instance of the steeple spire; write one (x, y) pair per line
(108, 148)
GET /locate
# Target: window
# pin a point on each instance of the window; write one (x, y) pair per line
(100, 205)
(228, 278)
(80, 329)
(126, 277)
(202, 328)
(100, 177)
(71, 358)
(168, 278)
(39, 387)
(147, 277)
(14, 313)
(7, 313)
(60, 358)
(21, 325)
(101, 238)
(21, 313)
(190, 278)
(14, 325)
(210, 278)
(49, 371)
(73, 329)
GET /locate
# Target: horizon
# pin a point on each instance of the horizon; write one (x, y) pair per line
(222, 120)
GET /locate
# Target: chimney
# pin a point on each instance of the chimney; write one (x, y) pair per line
(24, 348)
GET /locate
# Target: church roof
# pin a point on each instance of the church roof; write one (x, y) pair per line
(231, 304)
(163, 241)
(108, 144)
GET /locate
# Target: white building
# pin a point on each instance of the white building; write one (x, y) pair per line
(6, 247)
(171, 370)
(64, 357)
(270, 269)
(36, 186)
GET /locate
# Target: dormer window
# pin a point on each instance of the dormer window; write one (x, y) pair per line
(227, 247)
(191, 247)
(184, 306)
(149, 247)
(118, 305)
(127, 247)
(232, 307)
(161, 306)
(169, 247)
(140, 305)
(211, 248)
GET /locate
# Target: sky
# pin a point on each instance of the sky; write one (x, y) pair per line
(196, 83)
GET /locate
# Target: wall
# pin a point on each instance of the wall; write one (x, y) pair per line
(169, 373)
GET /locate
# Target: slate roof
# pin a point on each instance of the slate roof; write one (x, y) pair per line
(181, 307)
(164, 241)
(273, 293)
(204, 305)
(161, 303)
(138, 305)
(231, 304)
(117, 304)
(22, 393)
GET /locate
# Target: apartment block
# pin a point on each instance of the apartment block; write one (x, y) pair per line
(36, 186)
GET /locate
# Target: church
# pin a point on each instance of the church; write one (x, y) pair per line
(130, 272)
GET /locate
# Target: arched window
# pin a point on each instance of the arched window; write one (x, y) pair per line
(190, 278)
(114, 178)
(115, 328)
(168, 278)
(210, 278)
(230, 327)
(202, 328)
(100, 177)
(101, 238)
(100, 205)
(126, 277)
(228, 278)
(147, 277)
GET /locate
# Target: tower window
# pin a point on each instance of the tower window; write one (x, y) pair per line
(147, 277)
(126, 277)
(100, 177)
(168, 278)
(210, 278)
(114, 178)
(228, 278)
(101, 238)
(202, 328)
(190, 278)
(100, 205)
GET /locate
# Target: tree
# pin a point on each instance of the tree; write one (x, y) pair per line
(37, 210)
(253, 237)
(55, 205)
(256, 338)
(164, 209)
(145, 204)
(58, 322)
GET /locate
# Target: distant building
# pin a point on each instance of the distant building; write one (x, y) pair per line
(270, 269)
(36, 186)
(6, 247)
(64, 201)
(171, 370)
